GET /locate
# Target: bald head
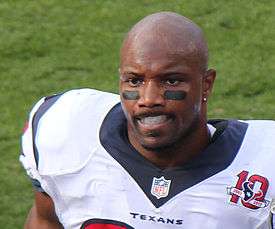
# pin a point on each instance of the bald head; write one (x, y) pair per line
(170, 32)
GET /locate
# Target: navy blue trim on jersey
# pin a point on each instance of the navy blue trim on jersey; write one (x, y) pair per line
(49, 101)
(218, 155)
(36, 185)
(220, 126)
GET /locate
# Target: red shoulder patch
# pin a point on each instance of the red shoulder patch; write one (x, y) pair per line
(26, 126)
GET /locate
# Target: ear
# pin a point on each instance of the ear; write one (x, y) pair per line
(208, 82)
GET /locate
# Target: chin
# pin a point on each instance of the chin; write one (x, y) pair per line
(157, 144)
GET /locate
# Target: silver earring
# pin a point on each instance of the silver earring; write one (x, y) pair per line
(204, 99)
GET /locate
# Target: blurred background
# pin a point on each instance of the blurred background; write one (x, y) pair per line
(52, 46)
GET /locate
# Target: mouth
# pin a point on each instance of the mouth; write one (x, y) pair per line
(153, 121)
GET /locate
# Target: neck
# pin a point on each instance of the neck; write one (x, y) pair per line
(179, 153)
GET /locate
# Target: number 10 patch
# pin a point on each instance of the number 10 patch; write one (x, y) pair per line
(250, 191)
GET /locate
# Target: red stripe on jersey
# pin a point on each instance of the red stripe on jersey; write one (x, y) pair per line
(103, 226)
(26, 126)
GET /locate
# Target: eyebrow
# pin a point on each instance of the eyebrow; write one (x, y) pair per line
(131, 73)
(173, 74)
(161, 75)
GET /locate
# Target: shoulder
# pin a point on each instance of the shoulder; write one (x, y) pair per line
(261, 133)
(59, 113)
(261, 128)
(75, 102)
(258, 145)
(66, 126)
(73, 110)
(261, 123)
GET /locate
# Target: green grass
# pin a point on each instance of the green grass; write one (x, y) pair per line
(52, 46)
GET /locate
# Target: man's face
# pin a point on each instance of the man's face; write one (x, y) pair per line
(161, 96)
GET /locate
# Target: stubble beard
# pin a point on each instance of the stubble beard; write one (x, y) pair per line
(174, 143)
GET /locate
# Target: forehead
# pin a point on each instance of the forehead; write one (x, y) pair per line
(152, 58)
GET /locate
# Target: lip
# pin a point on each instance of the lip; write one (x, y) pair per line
(153, 121)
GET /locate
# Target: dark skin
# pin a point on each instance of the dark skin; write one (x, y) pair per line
(164, 61)
(173, 57)
(42, 214)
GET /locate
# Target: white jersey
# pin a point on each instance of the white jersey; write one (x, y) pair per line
(76, 148)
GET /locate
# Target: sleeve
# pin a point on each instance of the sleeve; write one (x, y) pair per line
(61, 129)
(272, 210)
(29, 156)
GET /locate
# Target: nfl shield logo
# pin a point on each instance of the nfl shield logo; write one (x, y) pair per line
(160, 187)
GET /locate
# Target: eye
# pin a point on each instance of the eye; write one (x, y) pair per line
(172, 82)
(135, 82)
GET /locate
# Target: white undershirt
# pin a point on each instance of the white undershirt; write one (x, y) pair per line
(211, 129)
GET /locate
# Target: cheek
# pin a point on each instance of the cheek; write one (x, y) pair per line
(128, 100)
(194, 104)
(127, 107)
(197, 108)
(187, 108)
(174, 95)
(194, 98)
(130, 95)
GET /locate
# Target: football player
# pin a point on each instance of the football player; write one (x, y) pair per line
(149, 158)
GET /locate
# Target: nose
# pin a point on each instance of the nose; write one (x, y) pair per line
(151, 95)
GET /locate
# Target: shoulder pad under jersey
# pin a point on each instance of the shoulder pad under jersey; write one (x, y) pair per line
(65, 130)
